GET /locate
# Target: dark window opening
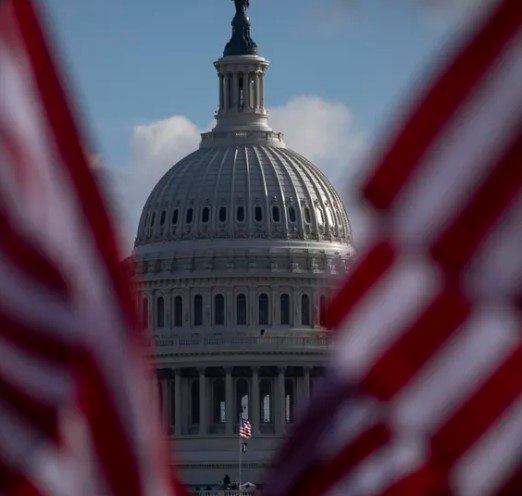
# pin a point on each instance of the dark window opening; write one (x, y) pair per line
(178, 311)
(219, 310)
(240, 214)
(241, 92)
(145, 313)
(275, 214)
(190, 215)
(162, 219)
(258, 214)
(292, 214)
(263, 309)
(322, 312)
(308, 219)
(218, 400)
(305, 310)
(265, 394)
(289, 401)
(242, 398)
(285, 309)
(175, 216)
(160, 312)
(194, 402)
(205, 215)
(222, 214)
(241, 310)
(198, 310)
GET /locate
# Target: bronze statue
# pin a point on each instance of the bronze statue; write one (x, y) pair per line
(242, 6)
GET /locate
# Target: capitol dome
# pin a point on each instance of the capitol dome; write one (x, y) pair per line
(239, 247)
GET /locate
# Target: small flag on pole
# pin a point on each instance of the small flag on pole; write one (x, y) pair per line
(245, 429)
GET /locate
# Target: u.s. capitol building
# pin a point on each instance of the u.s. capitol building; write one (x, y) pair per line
(239, 247)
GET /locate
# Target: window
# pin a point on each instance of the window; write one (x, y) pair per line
(190, 215)
(218, 401)
(275, 214)
(145, 313)
(175, 216)
(263, 309)
(292, 214)
(285, 309)
(258, 214)
(198, 310)
(160, 312)
(241, 310)
(178, 311)
(240, 214)
(242, 398)
(205, 215)
(322, 311)
(194, 402)
(289, 401)
(241, 94)
(265, 403)
(305, 310)
(308, 219)
(219, 310)
(222, 214)
(162, 218)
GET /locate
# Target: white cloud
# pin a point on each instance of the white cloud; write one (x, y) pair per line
(321, 130)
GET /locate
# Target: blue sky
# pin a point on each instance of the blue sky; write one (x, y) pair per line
(135, 63)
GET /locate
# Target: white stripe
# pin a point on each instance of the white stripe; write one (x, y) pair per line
(457, 371)
(470, 145)
(393, 303)
(383, 468)
(490, 463)
(496, 269)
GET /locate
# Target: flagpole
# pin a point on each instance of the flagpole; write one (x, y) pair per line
(240, 450)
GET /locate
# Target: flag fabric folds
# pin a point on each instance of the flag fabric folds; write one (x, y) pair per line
(74, 393)
(424, 392)
(245, 429)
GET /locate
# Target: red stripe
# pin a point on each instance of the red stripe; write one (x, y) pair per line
(38, 342)
(377, 262)
(440, 104)
(30, 259)
(429, 480)
(474, 418)
(324, 476)
(513, 486)
(462, 238)
(404, 358)
(14, 484)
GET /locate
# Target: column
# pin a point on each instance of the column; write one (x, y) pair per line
(280, 402)
(229, 401)
(255, 400)
(256, 91)
(235, 92)
(246, 90)
(177, 402)
(262, 91)
(203, 412)
(225, 92)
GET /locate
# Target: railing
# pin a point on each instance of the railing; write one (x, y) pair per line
(240, 341)
(228, 492)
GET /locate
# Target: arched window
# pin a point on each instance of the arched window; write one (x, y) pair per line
(205, 215)
(263, 309)
(285, 309)
(242, 398)
(322, 311)
(265, 401)
(305, 310)
(292, 214)
(162, 219)
(194, 402)
(175, 216)
(258, 213)
(241, 309)
(198, 310)
(145, 313)
(276, 217)
(160, 312)
(240, 214)
(190, 215)
(308, 218)
(219, 310)
(222, 214)
(178, 311)
(218, 401)
(289, 401)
